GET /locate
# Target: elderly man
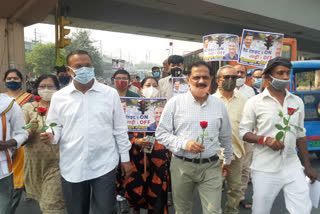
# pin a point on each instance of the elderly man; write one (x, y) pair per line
(275, 164)
(226, 80)
(248, 91)
(92, 133)
(176, 68)
(12, 137)
(195, 161)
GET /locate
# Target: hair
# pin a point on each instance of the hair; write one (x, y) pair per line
(60, 69)
(224, 67)
(46, 76)
(154, 68)
(175, 59)
(248, 34)
(145, 80)
(13, 70)
(121, 71)
(77, 52)
(197, 64)
(245, 68)
(257, 69)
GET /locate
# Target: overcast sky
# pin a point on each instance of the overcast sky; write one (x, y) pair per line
(134, 47)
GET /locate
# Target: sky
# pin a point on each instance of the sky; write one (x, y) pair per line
(130, 47)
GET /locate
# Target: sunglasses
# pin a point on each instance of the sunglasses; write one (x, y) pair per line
(234, 77)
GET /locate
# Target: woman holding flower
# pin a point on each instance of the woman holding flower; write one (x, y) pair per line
(41, 168)
(147, 192)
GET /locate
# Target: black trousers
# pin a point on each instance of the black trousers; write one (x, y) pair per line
(97, 194)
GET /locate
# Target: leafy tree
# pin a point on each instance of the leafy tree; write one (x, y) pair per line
(41, 59)
(81, 41)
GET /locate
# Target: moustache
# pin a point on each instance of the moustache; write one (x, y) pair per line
(201, 85)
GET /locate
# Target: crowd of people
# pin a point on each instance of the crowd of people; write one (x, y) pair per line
(67, 144)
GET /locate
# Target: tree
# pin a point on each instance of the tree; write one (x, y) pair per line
(81, 41)
(41, 59)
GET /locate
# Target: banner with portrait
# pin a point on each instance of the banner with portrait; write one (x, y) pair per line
(220, 47)
(179, 85)
(143, 114)
(258, 47)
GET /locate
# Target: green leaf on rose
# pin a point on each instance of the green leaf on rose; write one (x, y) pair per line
(53, 124)
(279, 136)
(206, 134)
(198, 139)
(298, 128)
(280, 114)
(287, 128)
(285, 121)
(35, 109)
(279, 127)
(29, 126)
(44, 128)
(297, 109)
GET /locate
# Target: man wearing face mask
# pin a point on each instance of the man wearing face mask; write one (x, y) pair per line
(240, 84)
(156, 72)
(275, 164)
(176, 68)
(62, 75)
(121, 80)
(178, 131)
(92, 133)
(226, 80)
(257, 81)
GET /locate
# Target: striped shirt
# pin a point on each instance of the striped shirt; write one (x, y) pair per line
(180, 123)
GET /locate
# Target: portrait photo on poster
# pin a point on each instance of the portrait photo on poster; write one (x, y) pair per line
(179, 86)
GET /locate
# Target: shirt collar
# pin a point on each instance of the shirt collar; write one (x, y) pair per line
(234, 95)
(71, 88)
(191, 98)
(266, 93)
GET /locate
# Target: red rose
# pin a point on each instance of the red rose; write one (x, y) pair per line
(42, 111)
(37, 98)
(291, 111)
(204, 124)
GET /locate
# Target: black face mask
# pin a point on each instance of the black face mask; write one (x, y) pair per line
(64, 80)
(176, 72)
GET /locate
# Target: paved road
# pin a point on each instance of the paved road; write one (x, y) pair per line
(31, 207)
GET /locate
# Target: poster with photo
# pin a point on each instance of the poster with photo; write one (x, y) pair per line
(179, 85)
(258, 47)
(221, 47)
(143, 114)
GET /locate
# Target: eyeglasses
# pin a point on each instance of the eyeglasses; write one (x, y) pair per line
(50, 87)
(234, 77)
(125, 79)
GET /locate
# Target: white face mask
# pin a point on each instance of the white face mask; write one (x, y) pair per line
(150, 92)
(46, 94)
(240, 81)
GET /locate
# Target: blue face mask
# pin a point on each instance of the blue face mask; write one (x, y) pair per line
(257, 82)
(84, 75)
(13, 85)
(156, 74)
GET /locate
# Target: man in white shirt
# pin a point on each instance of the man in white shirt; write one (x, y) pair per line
(195, 162)
(240, 84)
(92, 132)
(12, 137)
(275, 163)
